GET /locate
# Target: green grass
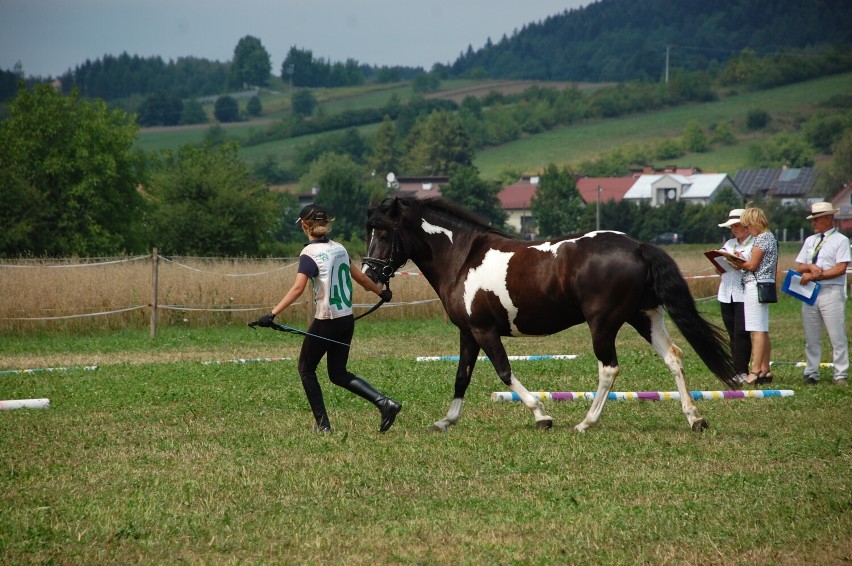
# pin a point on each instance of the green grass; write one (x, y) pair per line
(158, 458)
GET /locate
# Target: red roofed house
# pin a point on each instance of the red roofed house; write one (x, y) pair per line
(611, 188)
(515, 199)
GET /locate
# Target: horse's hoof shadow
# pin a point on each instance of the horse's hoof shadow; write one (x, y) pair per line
(544, 424)
(699, 425)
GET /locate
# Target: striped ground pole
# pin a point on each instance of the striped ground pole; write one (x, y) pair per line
(645, 395)
(511, 358)
(13, 404)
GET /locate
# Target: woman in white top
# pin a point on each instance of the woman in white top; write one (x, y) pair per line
(325, 263)
(732, 295)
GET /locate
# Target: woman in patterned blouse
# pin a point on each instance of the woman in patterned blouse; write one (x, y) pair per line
(761, 266)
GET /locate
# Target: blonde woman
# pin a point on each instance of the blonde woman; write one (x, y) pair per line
(326, 264)
(761, 266)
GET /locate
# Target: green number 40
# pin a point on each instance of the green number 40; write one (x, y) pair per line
(341, 288)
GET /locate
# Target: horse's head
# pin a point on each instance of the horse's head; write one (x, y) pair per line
(386, 251)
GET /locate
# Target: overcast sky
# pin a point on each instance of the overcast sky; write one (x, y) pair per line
(49, 37)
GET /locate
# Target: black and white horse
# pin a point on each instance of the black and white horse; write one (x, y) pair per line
(493, 285)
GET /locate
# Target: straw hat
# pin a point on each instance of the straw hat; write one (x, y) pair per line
(821, 209)
(733, 218)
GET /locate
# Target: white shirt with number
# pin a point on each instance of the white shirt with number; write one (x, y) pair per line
(331, 281)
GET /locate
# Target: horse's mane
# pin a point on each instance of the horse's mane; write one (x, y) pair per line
(452, 210)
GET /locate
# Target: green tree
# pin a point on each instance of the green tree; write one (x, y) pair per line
(838, 171)
(479, 196)
(160, 109)
(724, 134)
(193, 112)
(254, 107)
(781, 150)
(205, 201)
(557, 205)
(384, 157)
(303, 103)
(69, 177)
(437, 146)
(226, 109)
(344, 189)
(425, 82)
(694, 139)
(251, 64)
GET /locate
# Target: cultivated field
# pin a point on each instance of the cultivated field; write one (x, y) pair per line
(158, 458)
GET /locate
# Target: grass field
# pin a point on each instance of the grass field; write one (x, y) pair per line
(158, 458)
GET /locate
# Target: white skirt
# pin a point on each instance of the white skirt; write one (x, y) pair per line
(756, 314)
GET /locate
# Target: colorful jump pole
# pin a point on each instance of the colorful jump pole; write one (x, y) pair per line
(645, 395)
(511, 358)
(24, 404)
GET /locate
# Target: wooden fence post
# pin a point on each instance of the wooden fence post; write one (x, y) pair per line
(154, 277)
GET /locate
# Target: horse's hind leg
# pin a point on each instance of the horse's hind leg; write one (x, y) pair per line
(606, 377)
(659, 338)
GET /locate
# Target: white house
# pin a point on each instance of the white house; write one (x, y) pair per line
(700, 188)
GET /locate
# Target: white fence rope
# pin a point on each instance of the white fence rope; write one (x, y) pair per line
(231, 308)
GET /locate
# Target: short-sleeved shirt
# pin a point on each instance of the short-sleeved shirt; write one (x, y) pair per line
(834, 249)
(768, 263)
(731, 285)
(326, 263)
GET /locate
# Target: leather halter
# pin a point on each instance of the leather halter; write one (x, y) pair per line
(386, 268)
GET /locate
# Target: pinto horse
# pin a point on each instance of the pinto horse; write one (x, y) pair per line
(493, 285)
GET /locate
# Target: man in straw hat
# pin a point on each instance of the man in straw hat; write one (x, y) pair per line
(824, 257)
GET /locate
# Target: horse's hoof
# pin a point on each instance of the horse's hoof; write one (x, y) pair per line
(438, 427)
(581, 427)
(544, 424)
(699, 425)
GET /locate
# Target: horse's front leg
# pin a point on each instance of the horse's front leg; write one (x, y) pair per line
(468, 352)
(497, 354)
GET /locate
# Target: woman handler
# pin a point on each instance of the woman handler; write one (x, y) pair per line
(326, 263)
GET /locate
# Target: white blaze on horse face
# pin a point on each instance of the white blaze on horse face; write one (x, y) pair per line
(490, 276)
(432, 229)
(553, 247)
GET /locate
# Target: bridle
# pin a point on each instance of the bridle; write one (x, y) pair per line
(386, 268)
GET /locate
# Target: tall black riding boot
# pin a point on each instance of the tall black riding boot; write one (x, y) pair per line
(314, 394)
(387, 406)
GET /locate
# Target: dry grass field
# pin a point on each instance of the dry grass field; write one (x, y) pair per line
(74, 294)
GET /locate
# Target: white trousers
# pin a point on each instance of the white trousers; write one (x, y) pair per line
(828, 311)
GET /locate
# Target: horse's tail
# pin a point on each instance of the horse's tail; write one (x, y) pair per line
(708, 340)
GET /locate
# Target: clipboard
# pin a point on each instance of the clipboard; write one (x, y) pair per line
(723, 261)
(793, 287)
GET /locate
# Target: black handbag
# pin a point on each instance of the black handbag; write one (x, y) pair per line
(766, 292)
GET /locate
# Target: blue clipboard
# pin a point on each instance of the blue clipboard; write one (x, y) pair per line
(793, 287)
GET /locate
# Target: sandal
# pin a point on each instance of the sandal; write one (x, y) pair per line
(754, 381)
(764, 378)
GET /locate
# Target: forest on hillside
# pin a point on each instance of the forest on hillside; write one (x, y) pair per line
(608, 40)
(622, 40)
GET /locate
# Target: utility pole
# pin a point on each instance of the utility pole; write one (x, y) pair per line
(667, 62)
(598, 209)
